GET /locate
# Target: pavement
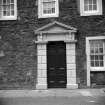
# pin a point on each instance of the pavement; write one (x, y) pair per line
(52, 92)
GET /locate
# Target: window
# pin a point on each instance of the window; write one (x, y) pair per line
(90, 7)
(47, 8)
(96, 54)
(8, 9)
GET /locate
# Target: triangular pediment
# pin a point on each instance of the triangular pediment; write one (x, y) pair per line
(55, 26)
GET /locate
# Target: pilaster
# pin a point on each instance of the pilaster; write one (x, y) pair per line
(41, 67)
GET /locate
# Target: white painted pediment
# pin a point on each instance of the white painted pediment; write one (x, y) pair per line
(55, 27)
(55, 31)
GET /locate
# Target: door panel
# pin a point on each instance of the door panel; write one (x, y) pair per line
(56, 65)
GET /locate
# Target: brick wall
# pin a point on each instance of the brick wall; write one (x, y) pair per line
(18, 65)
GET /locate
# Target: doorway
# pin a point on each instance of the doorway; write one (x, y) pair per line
(56, 65)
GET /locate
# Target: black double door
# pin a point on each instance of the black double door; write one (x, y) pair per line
(56, 65)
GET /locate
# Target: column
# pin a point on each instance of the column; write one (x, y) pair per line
(71, 66)
(41, 66)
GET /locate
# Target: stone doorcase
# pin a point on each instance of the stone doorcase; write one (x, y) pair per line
(56, 31)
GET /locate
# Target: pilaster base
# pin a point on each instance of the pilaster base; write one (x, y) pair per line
(72, 86)
(41, 86)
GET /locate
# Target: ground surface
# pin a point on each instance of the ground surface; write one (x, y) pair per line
(53, 101)
(82, 97)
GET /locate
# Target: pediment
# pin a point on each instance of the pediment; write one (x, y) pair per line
(55, 27)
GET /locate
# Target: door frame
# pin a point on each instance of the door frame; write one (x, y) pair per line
(56, 31)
